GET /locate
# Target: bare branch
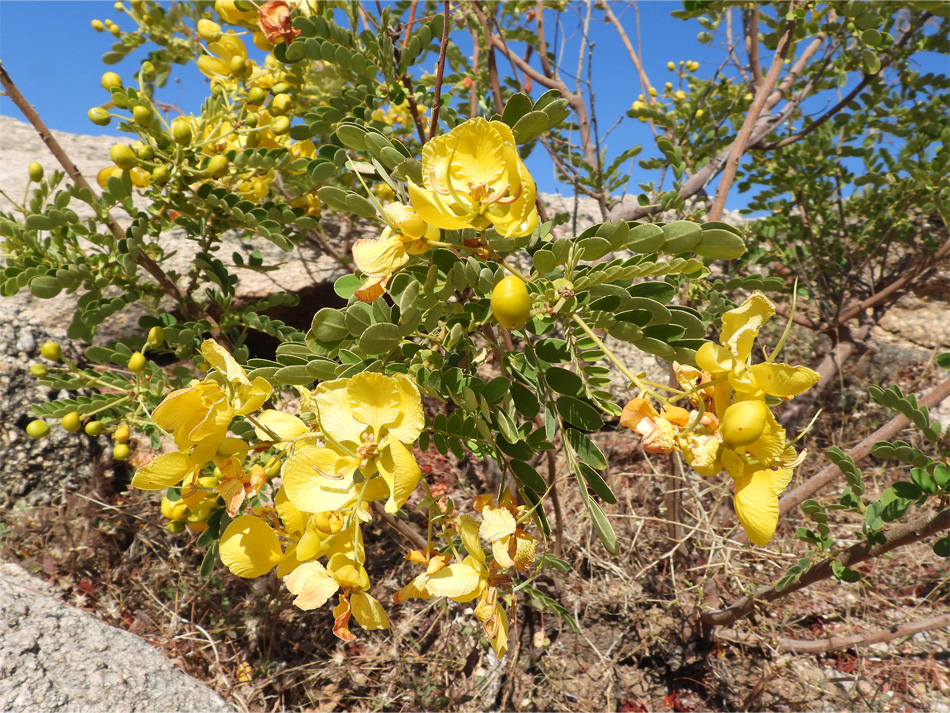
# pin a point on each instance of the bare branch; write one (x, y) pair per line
(750, 27)
(439, 72)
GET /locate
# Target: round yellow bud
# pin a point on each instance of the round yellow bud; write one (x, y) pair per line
(280, 125)
(147, 70)
(510, 302)
(670, 66)
(699, 113)
(71, 422)
(237, 66)
(123, 157)
(281, 104)
(142, 115)
(99, 116)
(94, 428)
(114, 29)
(256, 96)
(122, 433)
(181, 131)
(680, 95)
(668, 86)
(102, 178)
(121, 451)
(156, 335)
(209, 31)
(35, 170)
(97, 25)
(140, 177)
(743, 423)
(217, 166)
(38, 370)
(110, 81)
(653, 91)
(137, 363)
(37, 428)
(52, 351)
(161, 175)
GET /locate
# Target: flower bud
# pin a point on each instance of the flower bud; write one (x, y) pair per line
(280, 125)
(147, 70)
(110, 81)
(97, 25)
(99, 116)
(38, 370)
(217, 166)
(35, 169)
(37, 428)
(122, 433)
(121, 451)
(161, 175)
(237, 66)
(123, 157)
(670, 66)
(142, 115)
(71, 422)
(281, 104)
(181, 131)
(140, 177)
(52, 351)
(209, 31)
(156, 335)
(280, 88)
(256, 96)
(143, 151)
(94, 428)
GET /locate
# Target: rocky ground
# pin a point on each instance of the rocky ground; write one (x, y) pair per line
(70, 521)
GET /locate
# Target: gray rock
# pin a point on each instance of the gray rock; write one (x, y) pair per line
(56, 658)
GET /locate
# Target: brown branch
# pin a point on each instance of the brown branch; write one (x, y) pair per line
(750, 27)
(493, 81)
(439, 72)
(637, 64)
(758, 104)
(900, 535)
(412, 19)
(819, 646)
(542, 45)
(188, 305)
(867, 79)
(473, 96)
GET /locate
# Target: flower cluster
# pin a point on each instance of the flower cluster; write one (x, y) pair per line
(472, 177)
(733, 427)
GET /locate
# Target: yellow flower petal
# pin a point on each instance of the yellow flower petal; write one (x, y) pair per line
(380, 257)
(312, 585)
(757, 506)
(399, 469)
(293, 520)
(468, 529)
(221, 359)
(319, 479)
(281, 424)
(369, 613)
(251, 397)
(164, 472)
(410, 421)
(374, 400)
(749, 316)
(497, 522)
(714, 358)
(459, 582)
(416, 589)
(249, 548)
(783, 380)
(332, 404)
(432, 212)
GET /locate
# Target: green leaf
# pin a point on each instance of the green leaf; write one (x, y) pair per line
(597, 483)
(294, 375)
(518, 105)
(605, 530)
(530, 126)
(941, 474)
(645, 238)
(907, 490)
(542, 601)
(380, 338)
(720, 245)
(528, 476)
(563, 381)
(579, 413)
(681, 236)
(872, 62)
(328, 326)
(347, 285)
(586, 449)
(923, 480)
(943, 360)
(45, 287)
(942, 547)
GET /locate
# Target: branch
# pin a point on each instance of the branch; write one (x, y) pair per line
(867, 79)
(758, 104)
(188, 305)
(637, 64)
(440, 70)
(799, 646)
(403, 528)
(903, 534)
(750, 27)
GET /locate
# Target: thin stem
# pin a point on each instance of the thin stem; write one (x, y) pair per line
(439, 72)
(634, 379)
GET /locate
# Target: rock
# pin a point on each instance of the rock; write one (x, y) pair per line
(56, 658)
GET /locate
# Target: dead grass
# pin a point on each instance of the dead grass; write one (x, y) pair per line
(106, 551)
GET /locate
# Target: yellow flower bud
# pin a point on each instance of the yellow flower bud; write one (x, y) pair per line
(97, 25)
(35, 170)
(209, 31)
(110, 81)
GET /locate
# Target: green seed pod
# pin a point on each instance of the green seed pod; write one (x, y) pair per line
(52, 351)
(71, 422)
(123, 157)
(35, 169)
(99, 116)
(37, 428)
(147, 70)
(280, 125)
(252, 139)
(144, 151)
(94, 428)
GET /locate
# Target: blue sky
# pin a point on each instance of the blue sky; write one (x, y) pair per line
(53, 54)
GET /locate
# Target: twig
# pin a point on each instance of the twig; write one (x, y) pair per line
(152, 267)
(403, 528)
(799, 646)
(439, 72)
(750, 27)
(634, 57)
(903, 534)
(758, 104)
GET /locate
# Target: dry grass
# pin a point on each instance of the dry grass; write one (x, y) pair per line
(106, 550)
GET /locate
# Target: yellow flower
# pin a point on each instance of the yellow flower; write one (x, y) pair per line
(405, 234)
(369, 424)
(740, 327)
(473, 177)
(218, 64)
(511, 545)
(199, 416)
